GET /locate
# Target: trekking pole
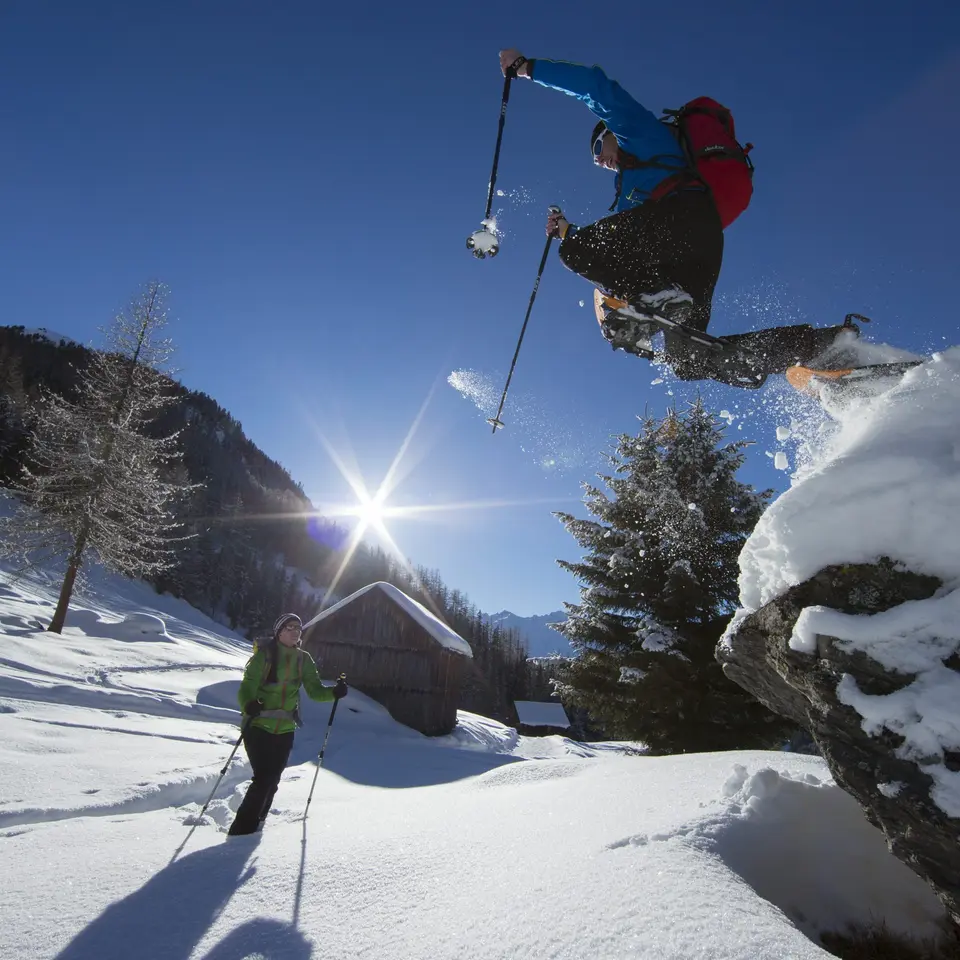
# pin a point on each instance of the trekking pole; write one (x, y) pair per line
(323, 747)
(233, 752)
(199, 816)
(496, 422)
(484, 242)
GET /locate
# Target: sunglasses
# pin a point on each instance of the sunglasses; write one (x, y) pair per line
(292, 626)
(598, 144)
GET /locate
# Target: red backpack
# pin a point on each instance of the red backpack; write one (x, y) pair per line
(705, 131)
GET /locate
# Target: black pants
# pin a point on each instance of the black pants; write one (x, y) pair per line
(674, 241)
(679, 240)
(768, 352)
(268, 754)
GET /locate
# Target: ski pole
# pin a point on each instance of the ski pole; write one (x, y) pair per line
(323, 747)
(233, 752)
(236, 746)
(480, 244)
(511, 73)
(496, 422)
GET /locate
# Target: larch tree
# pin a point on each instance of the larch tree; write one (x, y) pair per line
(92, 476)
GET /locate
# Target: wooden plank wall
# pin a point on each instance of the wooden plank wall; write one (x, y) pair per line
(388, 656)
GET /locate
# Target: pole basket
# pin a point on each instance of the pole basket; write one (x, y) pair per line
(483, 243)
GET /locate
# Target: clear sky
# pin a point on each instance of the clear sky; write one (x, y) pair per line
(304, 176)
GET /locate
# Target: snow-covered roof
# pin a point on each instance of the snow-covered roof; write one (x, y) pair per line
(534, 714)
(433, 625)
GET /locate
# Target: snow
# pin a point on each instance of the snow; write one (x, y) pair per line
(434, 626)
(885, 484)
(447, 847)
(558, 439)
(882, 481)
(533, 714)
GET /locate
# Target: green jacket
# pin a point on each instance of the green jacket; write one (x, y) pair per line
(295, 667)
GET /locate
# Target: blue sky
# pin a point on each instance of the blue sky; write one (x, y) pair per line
(304, 180)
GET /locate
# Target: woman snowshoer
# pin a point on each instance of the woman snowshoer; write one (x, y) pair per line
(269, 695)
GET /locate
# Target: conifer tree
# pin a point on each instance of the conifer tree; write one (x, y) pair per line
(91, 477)
(658, 584)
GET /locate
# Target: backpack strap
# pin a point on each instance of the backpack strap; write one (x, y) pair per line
(627, 161)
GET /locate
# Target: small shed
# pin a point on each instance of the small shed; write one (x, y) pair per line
(541, 719)
(394, 650)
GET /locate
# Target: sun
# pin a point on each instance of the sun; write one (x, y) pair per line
(370, 511)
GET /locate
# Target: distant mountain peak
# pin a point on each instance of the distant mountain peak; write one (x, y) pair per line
(540, 639)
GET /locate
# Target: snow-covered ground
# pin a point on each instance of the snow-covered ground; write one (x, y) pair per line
(482, 844)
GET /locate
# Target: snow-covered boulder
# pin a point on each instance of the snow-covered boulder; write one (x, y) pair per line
(868, 720)
(850, 613)
(140, 626)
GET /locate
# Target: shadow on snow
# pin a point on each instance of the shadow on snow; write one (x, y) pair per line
(171, 913)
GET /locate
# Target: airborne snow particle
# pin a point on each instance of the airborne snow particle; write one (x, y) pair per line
(557, 443)
(780, 461)
(783, 433)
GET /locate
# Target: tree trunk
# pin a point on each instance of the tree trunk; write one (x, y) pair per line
(60, 614)
(66, 590)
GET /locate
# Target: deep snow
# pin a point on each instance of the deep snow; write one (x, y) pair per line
(482, 844)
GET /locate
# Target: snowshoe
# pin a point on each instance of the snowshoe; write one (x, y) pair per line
(627, 328)
(811, 380)
(738, 360)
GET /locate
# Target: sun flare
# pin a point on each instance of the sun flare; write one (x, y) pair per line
(369, 511)
(372, 511)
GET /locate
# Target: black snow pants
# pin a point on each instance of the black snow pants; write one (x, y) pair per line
(268, 754)
(678, 240)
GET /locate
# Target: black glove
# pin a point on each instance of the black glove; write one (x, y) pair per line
(340, 690)
(252, 708)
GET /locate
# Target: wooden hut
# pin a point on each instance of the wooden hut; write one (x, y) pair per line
(541, 719)
(394, 650)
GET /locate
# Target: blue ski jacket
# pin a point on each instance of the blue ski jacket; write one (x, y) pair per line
(637, 130)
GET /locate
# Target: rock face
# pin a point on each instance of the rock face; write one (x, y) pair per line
(895, 792)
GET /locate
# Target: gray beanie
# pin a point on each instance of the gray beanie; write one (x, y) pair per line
(283, 620)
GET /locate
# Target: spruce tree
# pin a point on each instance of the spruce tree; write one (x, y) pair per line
(91, 478)
(658, 585)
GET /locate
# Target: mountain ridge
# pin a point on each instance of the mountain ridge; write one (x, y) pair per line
(541, 640)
